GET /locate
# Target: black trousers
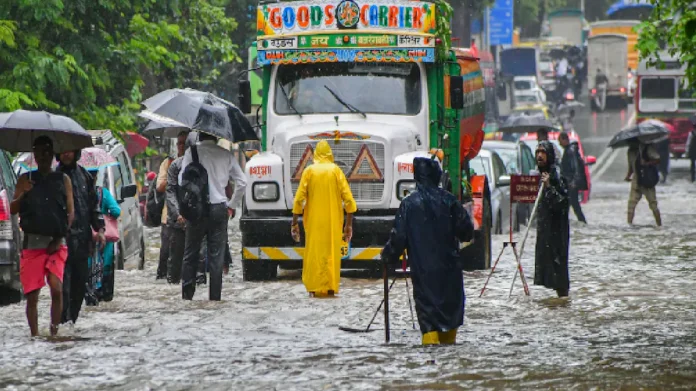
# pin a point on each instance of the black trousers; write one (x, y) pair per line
(574, 196)
(214, 226)
(693, 170)
(75, 277)
(164, 251)
(177, 245)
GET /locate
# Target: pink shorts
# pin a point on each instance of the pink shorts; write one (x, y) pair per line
(36, 264)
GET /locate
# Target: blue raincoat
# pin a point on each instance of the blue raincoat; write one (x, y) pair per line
(429, 225)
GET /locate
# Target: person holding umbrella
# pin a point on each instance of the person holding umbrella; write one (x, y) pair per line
(644, 176)
(44, 202)
(88, 217)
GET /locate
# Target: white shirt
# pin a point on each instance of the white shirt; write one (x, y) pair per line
(222, 167)
(562, 68)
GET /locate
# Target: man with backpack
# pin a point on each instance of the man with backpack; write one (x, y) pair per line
(175, 223)
(206, 171)
(644, 176)
(573, 171)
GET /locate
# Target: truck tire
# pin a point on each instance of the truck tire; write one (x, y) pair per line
(478, 255)
(259, 270)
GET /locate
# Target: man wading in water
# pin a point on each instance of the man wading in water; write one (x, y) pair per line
(429, 224)
(44, 201)
(553, 232)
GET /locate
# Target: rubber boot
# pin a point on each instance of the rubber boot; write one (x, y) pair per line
(658, 218)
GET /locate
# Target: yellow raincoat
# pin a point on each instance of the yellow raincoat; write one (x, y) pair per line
(322, 195)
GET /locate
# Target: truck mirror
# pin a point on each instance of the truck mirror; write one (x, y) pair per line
(457, 92)
(502, 92)
(245, 96)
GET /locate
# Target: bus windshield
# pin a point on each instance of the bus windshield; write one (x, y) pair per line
(376, 88)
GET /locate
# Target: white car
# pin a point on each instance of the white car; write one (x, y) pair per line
(489, 163)
(528, 84)
(529, 98)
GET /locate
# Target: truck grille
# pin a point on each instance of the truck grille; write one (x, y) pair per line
(345, 153)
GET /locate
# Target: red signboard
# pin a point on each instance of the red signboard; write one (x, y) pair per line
(524, 188)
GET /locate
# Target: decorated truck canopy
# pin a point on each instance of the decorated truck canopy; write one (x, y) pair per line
(319, 31)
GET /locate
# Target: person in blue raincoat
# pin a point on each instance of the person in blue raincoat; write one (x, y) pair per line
(429, 225)
(104, 287)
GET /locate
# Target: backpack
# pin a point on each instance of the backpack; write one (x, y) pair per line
(648, 175)
(193, 190)
(154, 205)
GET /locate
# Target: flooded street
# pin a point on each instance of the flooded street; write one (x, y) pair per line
(630, 323)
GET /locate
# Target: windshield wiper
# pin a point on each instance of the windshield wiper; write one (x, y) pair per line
(350, 107)
(287, 99)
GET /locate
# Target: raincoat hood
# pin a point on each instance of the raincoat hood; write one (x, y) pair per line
(550, 154)
(426, 172)
(323, 153)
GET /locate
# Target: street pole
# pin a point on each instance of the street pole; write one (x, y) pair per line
(582, 7)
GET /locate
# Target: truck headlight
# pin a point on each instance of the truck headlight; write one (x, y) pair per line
(404, 188)
(265, 191)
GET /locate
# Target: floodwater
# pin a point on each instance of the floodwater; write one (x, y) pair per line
(629, 324)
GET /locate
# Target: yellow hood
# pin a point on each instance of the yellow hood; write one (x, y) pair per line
(323, 153)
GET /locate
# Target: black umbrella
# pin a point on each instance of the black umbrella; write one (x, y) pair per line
(20, 128)
(163, 129)
(202, 111)
(526, 123)
(646, 132)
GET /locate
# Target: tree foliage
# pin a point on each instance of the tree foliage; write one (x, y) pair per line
(94, 60)
(672, 26)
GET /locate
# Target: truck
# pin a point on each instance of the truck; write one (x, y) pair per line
(627, 28)
(608, 53)
(568, 24)
(376, 80)
(663, 93)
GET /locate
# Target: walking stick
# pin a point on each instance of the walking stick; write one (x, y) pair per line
(524, 239)
(386, 302)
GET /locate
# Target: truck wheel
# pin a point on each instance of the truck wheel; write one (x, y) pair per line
(259, 270)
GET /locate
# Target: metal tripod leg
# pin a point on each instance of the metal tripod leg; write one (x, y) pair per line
(493, 269)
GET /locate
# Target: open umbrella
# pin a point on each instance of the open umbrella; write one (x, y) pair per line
(646, 132)
(90, 158)
(202, 111)
(163, 129)
(135, 143)
(526, 123)
(20, 128)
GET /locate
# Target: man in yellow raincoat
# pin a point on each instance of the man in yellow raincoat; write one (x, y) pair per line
(321, 198)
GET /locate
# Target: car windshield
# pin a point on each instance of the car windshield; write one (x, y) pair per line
(526, 99)
(376, 88)
(545, 66)
(480, 165)
(509, 157)
(523, 85)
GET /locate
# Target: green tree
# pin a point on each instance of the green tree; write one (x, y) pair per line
(672, 26)
(93, 60)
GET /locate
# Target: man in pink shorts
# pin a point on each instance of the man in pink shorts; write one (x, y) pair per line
(44, 201)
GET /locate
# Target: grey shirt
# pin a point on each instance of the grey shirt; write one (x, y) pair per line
(172, 193)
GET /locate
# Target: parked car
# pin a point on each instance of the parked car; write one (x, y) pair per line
(531, 140)
(10, 235)
(120, 181)
(519, 160)
(490, 164)
(528, 98)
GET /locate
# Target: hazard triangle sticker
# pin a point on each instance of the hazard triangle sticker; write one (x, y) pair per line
(306, 159)
(375, 174)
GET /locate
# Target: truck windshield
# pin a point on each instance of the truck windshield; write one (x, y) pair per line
(369, 87)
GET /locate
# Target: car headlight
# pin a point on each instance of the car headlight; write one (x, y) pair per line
(265, 191)
(404, 188)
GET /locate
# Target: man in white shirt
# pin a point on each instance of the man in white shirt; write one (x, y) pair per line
(561, 79)
(222, 168)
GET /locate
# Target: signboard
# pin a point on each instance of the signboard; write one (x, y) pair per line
(500, 23)
(302, 17)
(524, 188)
(268, 57)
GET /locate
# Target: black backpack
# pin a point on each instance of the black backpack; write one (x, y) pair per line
(648, 175)
(583, 173)
(154, 205)
(193, 190)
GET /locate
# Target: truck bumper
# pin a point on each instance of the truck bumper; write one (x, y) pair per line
(268, 238)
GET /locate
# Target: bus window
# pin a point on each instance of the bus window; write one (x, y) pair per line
(658, 94)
